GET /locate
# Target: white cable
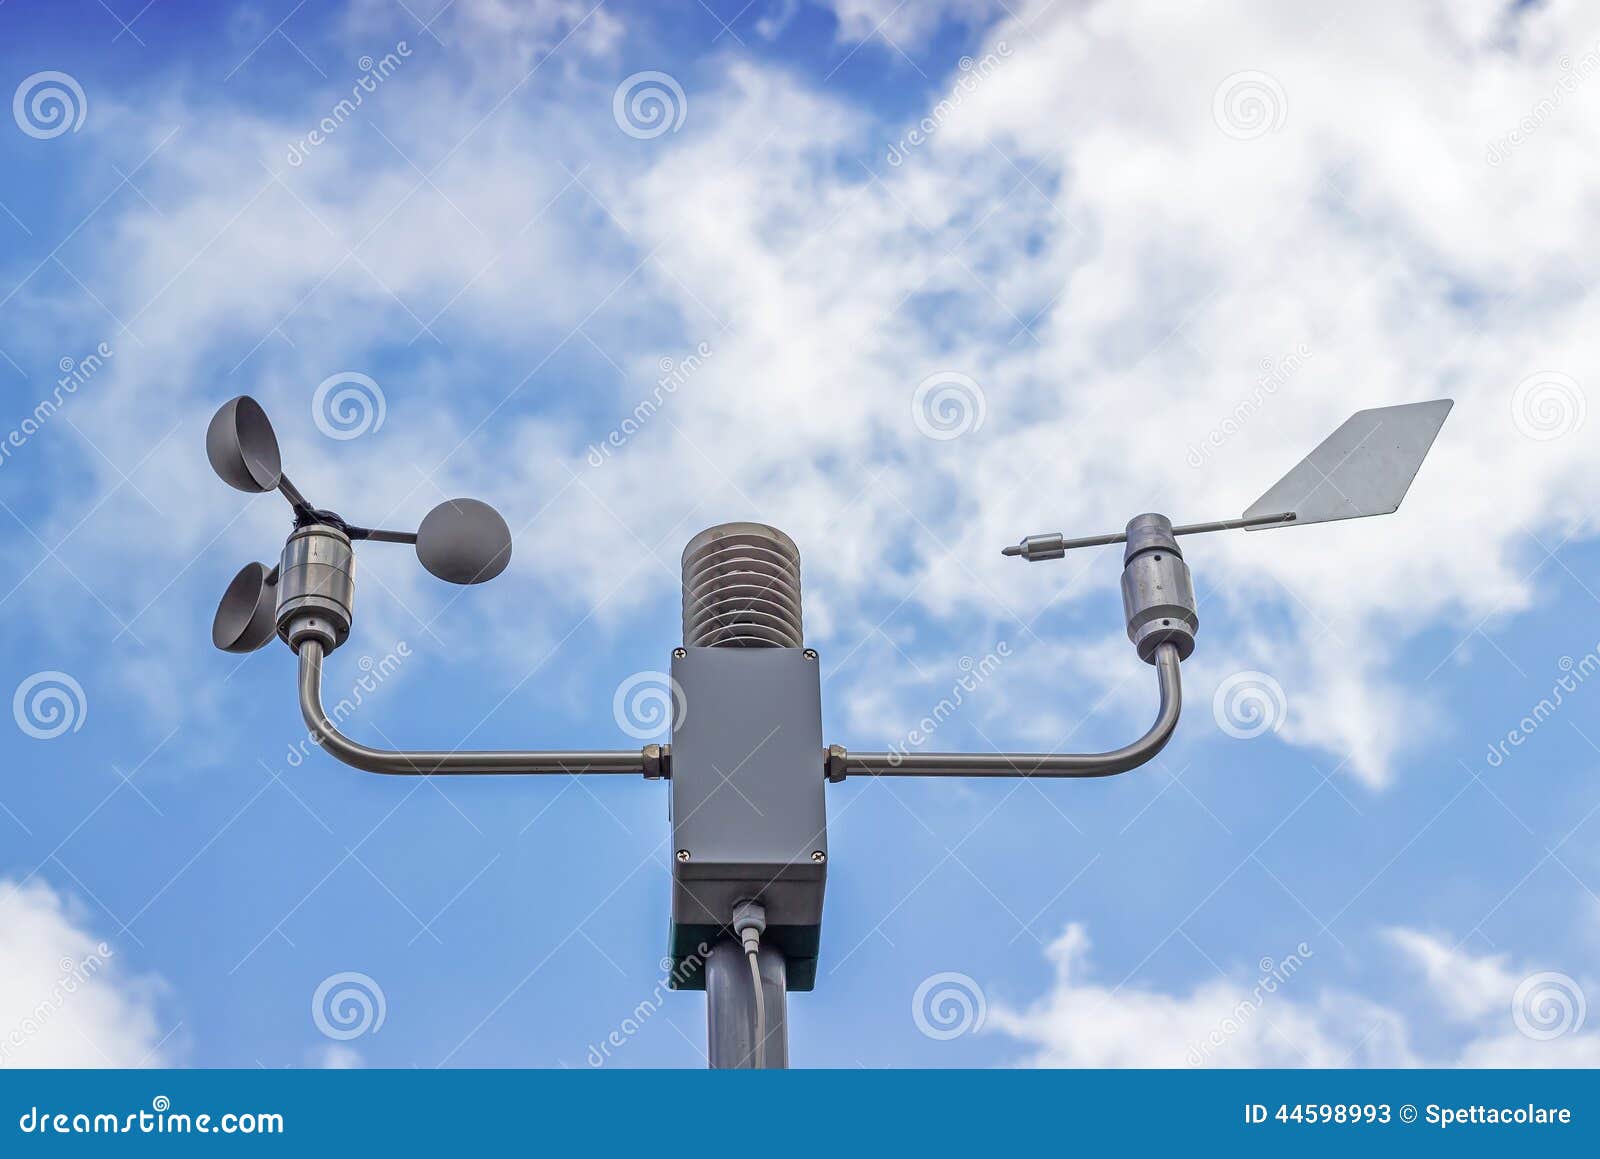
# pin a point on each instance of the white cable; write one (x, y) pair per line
(753, 952)
(749, 920)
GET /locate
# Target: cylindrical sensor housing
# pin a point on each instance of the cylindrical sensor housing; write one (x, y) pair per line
(1157, 592)
(316, 587)
(741, 588)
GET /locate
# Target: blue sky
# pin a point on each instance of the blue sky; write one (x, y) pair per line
(1151, 256)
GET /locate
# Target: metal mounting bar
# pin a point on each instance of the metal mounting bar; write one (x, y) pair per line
(1106, 764)
(306, 515)
(302, 505)
(426, 763)
(373, 535)
(1054, 545)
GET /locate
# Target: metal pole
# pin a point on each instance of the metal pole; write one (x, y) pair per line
(731, 1008)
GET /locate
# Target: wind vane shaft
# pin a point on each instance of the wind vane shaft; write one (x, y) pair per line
(1054, 546)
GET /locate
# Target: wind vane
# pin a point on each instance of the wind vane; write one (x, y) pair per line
(1363, 468)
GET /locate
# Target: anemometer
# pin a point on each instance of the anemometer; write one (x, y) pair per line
(747, 765)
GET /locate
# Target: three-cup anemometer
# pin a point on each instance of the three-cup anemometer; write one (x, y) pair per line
(751, 848)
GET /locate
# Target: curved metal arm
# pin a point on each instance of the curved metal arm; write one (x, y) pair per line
(1041, 764)
(439, 762)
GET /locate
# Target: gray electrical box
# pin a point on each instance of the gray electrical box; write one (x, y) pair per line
(748, 812)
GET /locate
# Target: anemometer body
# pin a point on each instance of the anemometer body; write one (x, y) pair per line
(316, 587)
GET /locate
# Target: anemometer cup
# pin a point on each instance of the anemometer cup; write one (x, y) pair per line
(247, 616)
(464, 541)
(243, 448)
(1157, 591)
(316, 587)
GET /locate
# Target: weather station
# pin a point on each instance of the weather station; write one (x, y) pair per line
(747, 766)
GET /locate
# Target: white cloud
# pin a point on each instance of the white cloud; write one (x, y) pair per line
(902, 23)
(1519, 1017)
(1079, 236)
(1277, 1019)
(65, 999)
(1467, 987)
(507, 38)
(1285, 1016)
